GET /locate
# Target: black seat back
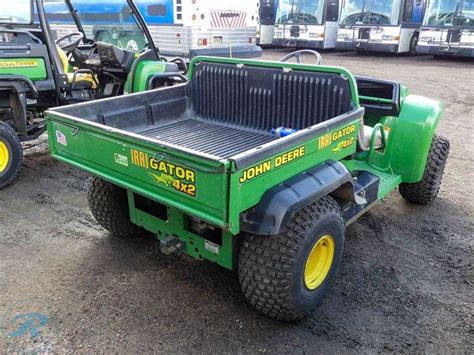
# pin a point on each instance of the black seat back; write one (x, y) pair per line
(264, 98)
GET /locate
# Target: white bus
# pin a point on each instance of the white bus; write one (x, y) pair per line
(448, 28)
(381, 25)
(267, 17)
(183, 28)
(307, 23)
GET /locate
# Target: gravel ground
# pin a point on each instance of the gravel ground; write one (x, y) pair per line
(406, 283)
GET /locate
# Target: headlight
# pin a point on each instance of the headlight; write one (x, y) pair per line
(387, 38)
(426, 39)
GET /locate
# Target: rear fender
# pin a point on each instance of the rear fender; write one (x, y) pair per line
(272, 214)
(410, 136)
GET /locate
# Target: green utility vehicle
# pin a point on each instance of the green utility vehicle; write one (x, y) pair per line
(38, 72)
(199, 166)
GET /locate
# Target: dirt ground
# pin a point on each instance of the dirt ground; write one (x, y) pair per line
(406, 283)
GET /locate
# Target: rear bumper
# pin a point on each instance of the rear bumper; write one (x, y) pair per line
(368, 47)
(237, 52)
(297, 43)
(443, 50)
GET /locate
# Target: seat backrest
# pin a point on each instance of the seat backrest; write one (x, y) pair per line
(264, 98)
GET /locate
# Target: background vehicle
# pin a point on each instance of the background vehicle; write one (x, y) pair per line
(381, 25)
(184, 28)
(307, 23)
(37, 73)
(448, 28)
(211, 179)
(266, 24)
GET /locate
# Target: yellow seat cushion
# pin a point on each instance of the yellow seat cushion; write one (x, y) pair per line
(80, 78)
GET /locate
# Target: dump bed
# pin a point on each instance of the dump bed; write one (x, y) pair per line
(198, 145)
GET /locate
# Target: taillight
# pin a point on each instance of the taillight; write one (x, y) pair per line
(202, 42)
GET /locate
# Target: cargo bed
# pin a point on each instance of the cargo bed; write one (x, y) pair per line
(192, 145)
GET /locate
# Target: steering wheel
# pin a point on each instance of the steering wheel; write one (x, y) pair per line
(72, 43)
(297, 55)
(181, 64)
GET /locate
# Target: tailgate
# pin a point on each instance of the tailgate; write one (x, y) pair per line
(191, 183)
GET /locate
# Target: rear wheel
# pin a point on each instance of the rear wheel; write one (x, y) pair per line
(109, 205)
(11, 155)
(425, 191)
(286, 276)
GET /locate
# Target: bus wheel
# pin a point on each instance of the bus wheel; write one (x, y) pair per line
(413, 44)
(11, 155)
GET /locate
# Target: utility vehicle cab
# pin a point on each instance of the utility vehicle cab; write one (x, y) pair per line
(40, 68)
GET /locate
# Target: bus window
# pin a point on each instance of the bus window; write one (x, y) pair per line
(332, 11)
(413, 11)
(156, 10)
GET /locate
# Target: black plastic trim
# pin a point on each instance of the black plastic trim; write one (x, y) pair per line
(272, 214)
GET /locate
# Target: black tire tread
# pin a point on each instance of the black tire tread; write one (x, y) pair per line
(425, 191)
(109, 205)
(15, 146)
(265, 263)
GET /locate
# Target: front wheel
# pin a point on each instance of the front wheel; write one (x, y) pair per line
(425, 191)
(11, 155)
(413, 44)
(286, 276)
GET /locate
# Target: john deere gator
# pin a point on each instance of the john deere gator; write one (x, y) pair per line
(202, 167)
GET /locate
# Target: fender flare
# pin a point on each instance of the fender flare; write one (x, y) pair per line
(277, 206)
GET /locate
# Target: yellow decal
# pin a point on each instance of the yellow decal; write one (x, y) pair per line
(166, 173)
(328, 139)
(19, 64)
(344, 144)
(276, 162)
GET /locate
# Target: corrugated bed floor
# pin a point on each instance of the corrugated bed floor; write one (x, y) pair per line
(208, 137)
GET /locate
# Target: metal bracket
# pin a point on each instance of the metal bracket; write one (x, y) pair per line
(171, 244)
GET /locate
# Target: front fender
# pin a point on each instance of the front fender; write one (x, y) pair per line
(410, 136)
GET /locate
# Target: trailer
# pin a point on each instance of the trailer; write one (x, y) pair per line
(390, 26)
(307, 24)
(448, 29)
(204, 167)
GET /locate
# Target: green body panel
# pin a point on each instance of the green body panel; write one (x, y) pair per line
(409, 138)
(110, 155)
(176, 225)
(33, 68)
(388, 182)
(246, 194)
(142, 75)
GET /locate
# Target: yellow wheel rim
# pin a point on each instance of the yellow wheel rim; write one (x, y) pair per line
(4, 156)
(319, 262)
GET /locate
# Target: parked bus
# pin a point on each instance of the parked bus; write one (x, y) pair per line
(381, 25)
(307, 23)
(448, 28)
(184, 28)
(267, 17)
